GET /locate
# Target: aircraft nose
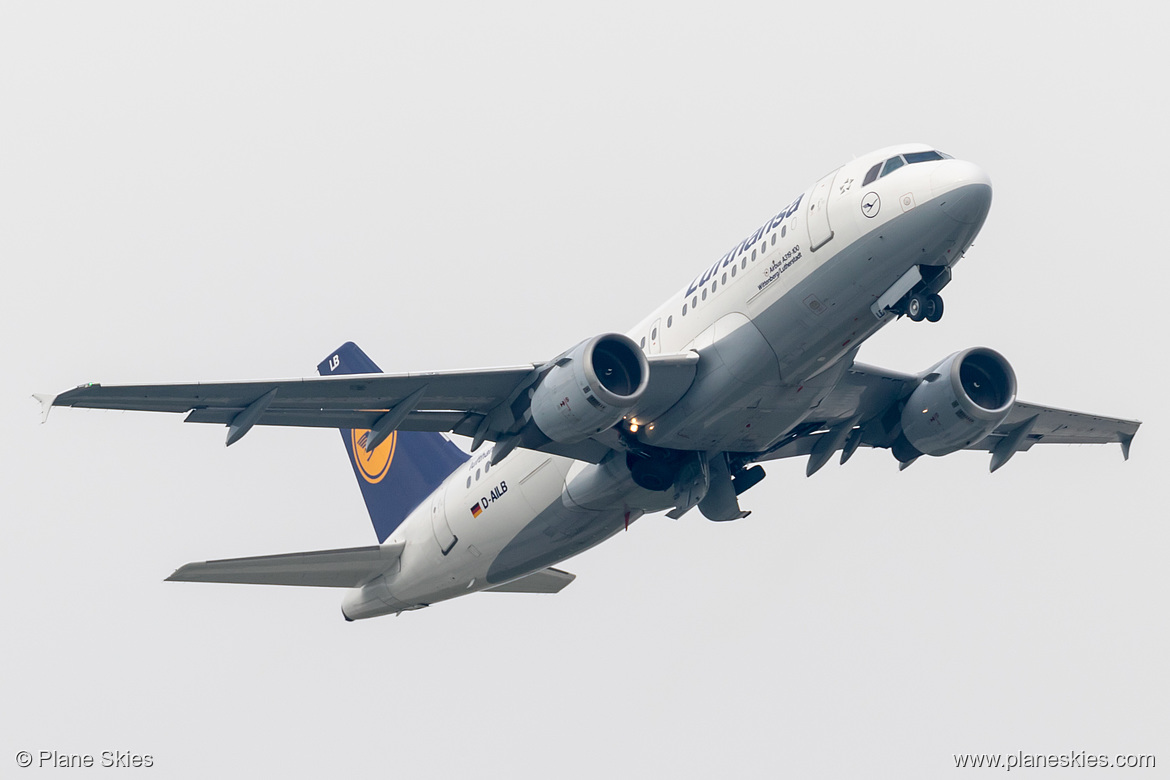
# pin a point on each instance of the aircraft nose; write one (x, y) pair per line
(964, 188)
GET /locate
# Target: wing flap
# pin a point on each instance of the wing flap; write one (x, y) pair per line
(362, 419)
(346, 568)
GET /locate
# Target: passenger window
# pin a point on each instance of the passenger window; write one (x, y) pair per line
(695, 301)
(714, 286)
(892, 164)
(654, 335)
(487, 467)
(477, 475)
(783, 231)
(753, 254)
(684, 310)
(773, 239)
(871, 175)
(643, 344)
(670, 320)
(724, 279)
(469, 481)
(704, 293)
(743, 263)
(733, 271)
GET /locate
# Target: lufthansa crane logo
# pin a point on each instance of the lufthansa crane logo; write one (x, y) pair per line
(372, 466)
(871, 204)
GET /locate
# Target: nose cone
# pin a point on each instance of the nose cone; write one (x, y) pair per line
(963, 189)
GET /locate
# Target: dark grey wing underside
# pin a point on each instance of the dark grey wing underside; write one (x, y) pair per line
(873, 396)
(487, 404)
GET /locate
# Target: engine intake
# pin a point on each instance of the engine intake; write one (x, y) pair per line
(591, 387)
(959, 402)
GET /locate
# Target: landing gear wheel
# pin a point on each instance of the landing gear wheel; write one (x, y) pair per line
(934, 308)
(653, 471)
(916, 307)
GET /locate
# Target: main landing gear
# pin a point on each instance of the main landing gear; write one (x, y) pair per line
(921, 307)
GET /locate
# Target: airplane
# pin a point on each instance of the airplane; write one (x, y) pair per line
(752, 360)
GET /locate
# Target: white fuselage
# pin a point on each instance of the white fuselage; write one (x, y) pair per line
(776, 322)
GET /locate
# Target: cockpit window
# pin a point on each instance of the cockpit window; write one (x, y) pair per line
(869, 177)
(892, 164)
(917, 157)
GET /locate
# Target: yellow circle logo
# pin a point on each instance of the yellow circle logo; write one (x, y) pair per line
(372, 465)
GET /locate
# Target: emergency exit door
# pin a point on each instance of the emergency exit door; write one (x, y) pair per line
(444, 537)
(820, 232)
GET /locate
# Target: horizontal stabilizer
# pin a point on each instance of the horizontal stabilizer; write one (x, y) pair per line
(548, 580)
(347, 568)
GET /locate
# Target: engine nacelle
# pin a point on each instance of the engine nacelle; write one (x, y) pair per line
(590, 388)
(959, 402)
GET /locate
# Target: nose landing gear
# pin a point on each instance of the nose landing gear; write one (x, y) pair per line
(921, 307)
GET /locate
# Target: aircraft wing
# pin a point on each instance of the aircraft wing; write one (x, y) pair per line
(1060, 426)
(868, 398)
(485, 404)
(346, 401)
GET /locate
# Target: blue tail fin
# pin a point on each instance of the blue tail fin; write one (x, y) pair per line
(403, 470)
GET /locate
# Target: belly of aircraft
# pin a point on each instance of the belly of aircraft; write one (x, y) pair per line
(763, 372)
(809, 332)
(555, 534)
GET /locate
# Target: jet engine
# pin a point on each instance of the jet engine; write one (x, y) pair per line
(959, 402)
(590, 388)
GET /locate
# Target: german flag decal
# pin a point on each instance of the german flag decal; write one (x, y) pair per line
(476, 510)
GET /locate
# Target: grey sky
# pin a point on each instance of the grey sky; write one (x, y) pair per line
(230, 190)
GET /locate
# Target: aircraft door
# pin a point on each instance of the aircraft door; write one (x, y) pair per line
(820, 232)
(444, 537)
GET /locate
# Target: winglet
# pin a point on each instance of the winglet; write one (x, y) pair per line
(1126, 440)
(46, 402)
